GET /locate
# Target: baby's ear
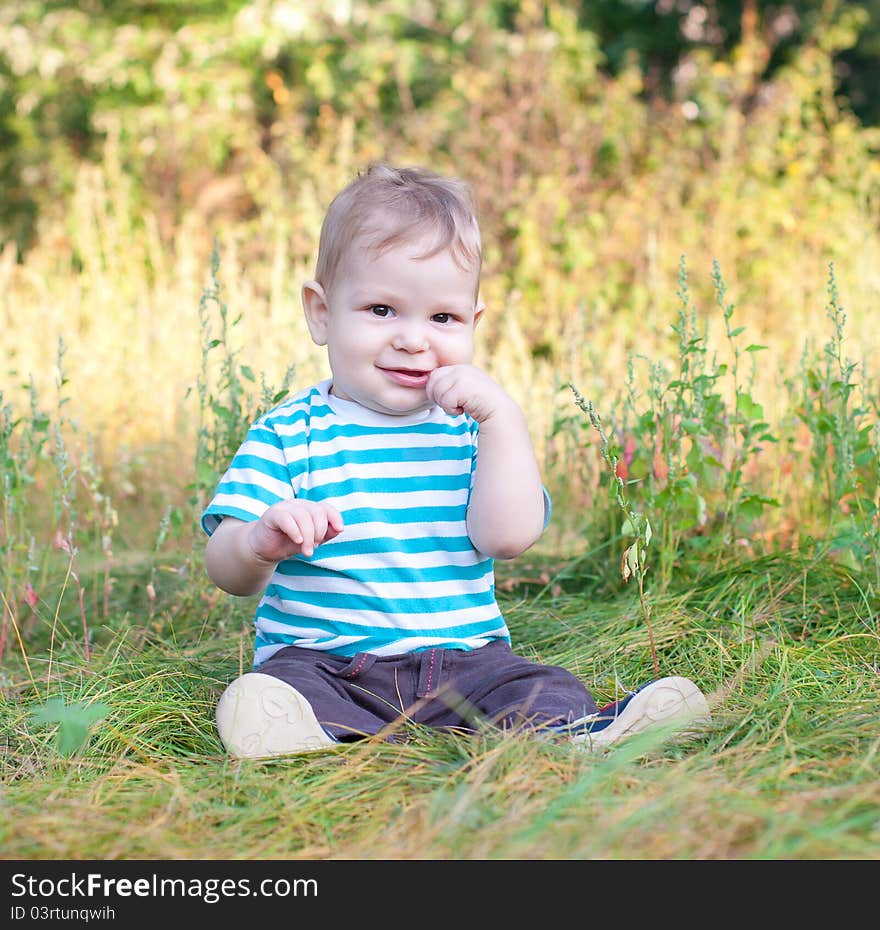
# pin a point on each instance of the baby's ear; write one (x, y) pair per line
(478, 312)
(316, 310)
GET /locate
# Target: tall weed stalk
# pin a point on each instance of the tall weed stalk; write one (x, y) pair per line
(688, 452)
(634, 560)
(44, 518)
(685, 444)
(22, 446)
(843, 419)
(229, 399)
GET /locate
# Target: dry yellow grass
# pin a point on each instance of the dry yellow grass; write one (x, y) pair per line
(125, 304)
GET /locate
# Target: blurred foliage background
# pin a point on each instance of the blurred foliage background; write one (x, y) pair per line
(192, 91)
(604, 141)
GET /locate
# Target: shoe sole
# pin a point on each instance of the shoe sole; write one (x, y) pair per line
(259, 716)
(674, 703)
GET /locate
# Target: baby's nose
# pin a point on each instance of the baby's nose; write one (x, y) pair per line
(412, 337)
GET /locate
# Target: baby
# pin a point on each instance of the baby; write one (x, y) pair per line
(368, 509)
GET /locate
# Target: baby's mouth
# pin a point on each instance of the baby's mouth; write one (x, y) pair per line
(408, 377)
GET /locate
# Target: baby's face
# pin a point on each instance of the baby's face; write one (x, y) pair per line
(392, 319)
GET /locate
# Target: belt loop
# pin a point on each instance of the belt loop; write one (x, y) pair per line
(430, 665)
(358, 665)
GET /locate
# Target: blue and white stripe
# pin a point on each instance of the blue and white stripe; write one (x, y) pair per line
(403, 575)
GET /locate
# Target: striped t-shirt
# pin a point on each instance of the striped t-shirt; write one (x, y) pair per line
(403, 575)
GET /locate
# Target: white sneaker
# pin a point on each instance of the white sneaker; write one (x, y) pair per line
(260, 716)
(674, 703)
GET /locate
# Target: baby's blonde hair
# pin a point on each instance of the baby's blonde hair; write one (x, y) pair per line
(386, 206)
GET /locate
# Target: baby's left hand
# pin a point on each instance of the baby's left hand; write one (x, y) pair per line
(466, 389)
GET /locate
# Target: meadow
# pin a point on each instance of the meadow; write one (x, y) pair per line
(681, 295)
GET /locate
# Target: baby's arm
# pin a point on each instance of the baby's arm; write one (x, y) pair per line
(506, 511)
(241, 557)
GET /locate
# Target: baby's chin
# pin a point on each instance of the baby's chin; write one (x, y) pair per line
(418, 403)
(401, 410)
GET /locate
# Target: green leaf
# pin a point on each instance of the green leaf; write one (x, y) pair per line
(754, 347)
(74, 722)
(748, 407)
(223, 413)
(752, 505)
(825, 423)
(176, 518)
(206, 475)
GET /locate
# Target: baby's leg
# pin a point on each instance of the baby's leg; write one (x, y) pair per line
(515, 693)
(298, 700)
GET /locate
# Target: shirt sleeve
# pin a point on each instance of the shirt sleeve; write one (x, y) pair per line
(548, 506)
(474, 433)
(266, 469)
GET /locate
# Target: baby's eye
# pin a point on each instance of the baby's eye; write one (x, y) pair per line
(381, 310)
(442, 317)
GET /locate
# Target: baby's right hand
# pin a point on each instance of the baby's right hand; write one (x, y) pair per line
(291, 527)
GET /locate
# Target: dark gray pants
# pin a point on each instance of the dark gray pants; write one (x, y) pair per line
(450, 688)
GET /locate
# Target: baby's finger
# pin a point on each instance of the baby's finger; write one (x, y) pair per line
(307, 533)
(438, 382)
(286, 523)
(334, 519)
(449, 398)
(319, 523)
(437, 386)
(335, 524)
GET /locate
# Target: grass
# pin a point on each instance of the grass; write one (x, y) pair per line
(788, 648)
